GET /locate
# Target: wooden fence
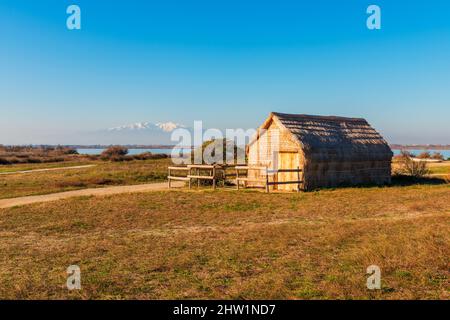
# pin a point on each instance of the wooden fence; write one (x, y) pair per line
(265, 180)
(246, 179)
(194, 172)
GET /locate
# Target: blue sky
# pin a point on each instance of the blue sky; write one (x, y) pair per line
(228, 63)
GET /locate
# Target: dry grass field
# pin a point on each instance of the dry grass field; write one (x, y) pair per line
(37, 166)
(440, 168)
(231, 244)
(103, 174)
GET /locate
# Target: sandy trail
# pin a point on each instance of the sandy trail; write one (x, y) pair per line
(48, 169)
(7, 203)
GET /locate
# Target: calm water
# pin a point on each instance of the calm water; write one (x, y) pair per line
(130, 151)
(445, 153)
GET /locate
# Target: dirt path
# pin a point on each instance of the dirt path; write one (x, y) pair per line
(7, 203)
(48, 169)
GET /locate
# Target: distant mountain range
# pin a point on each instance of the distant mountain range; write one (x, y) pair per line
(164, 126)
(139, 133)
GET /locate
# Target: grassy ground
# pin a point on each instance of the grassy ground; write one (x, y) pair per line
(440, 168)
(229, 244)
(35, 166)
(104, 173)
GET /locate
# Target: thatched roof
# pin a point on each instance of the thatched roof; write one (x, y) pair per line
(330, 138)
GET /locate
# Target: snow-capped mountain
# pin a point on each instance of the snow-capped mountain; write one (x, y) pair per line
(135, 133)
(160, 126)
(169, 126)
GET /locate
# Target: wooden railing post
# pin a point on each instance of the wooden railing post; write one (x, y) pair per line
(197, 173)
(189, 173)
(169, 178)
(174, 170)
(267, 180)
(298, 179)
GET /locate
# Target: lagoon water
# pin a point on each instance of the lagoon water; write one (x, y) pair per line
(130, 151)
(445, 153)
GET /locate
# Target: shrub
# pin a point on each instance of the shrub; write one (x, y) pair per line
(424, 155)
(142, 156)
(114, 158)
(92, 156)
(149, 156)
(14, 160)
(403, 155)
(100, 181)
(209, 148)
(33, 160)
(67, 150)
(23, 156)
(114, 153)
(437, 156)
(4, 161)
(159, 156)
(417, 169)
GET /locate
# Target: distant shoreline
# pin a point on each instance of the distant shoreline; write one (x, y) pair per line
(162, 146)
(420, 147)
(101, 146)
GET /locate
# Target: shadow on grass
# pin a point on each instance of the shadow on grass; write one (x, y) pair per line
(404, 180)
(396, 181)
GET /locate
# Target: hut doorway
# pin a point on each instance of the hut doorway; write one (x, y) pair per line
(287, 160)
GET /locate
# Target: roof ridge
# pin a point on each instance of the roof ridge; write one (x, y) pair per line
(318, 117)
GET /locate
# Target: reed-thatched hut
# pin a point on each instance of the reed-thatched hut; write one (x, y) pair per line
(331, 151)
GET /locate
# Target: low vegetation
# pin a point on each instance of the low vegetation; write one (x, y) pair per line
(405, 165)
(100, 175)
(224, 243)
(114, 151)
(38, 166)
(13, 155)
(229, 244)
(428, 155)
(424, 155)
(28, 154)
(217, 151)
(442, 169)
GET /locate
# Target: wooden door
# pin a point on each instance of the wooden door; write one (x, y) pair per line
(287, 160)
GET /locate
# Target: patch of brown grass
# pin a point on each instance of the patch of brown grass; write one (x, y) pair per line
(28, 154)
(229, 244)
(104, 173)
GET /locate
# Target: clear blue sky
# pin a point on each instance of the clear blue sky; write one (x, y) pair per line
(226, 62)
